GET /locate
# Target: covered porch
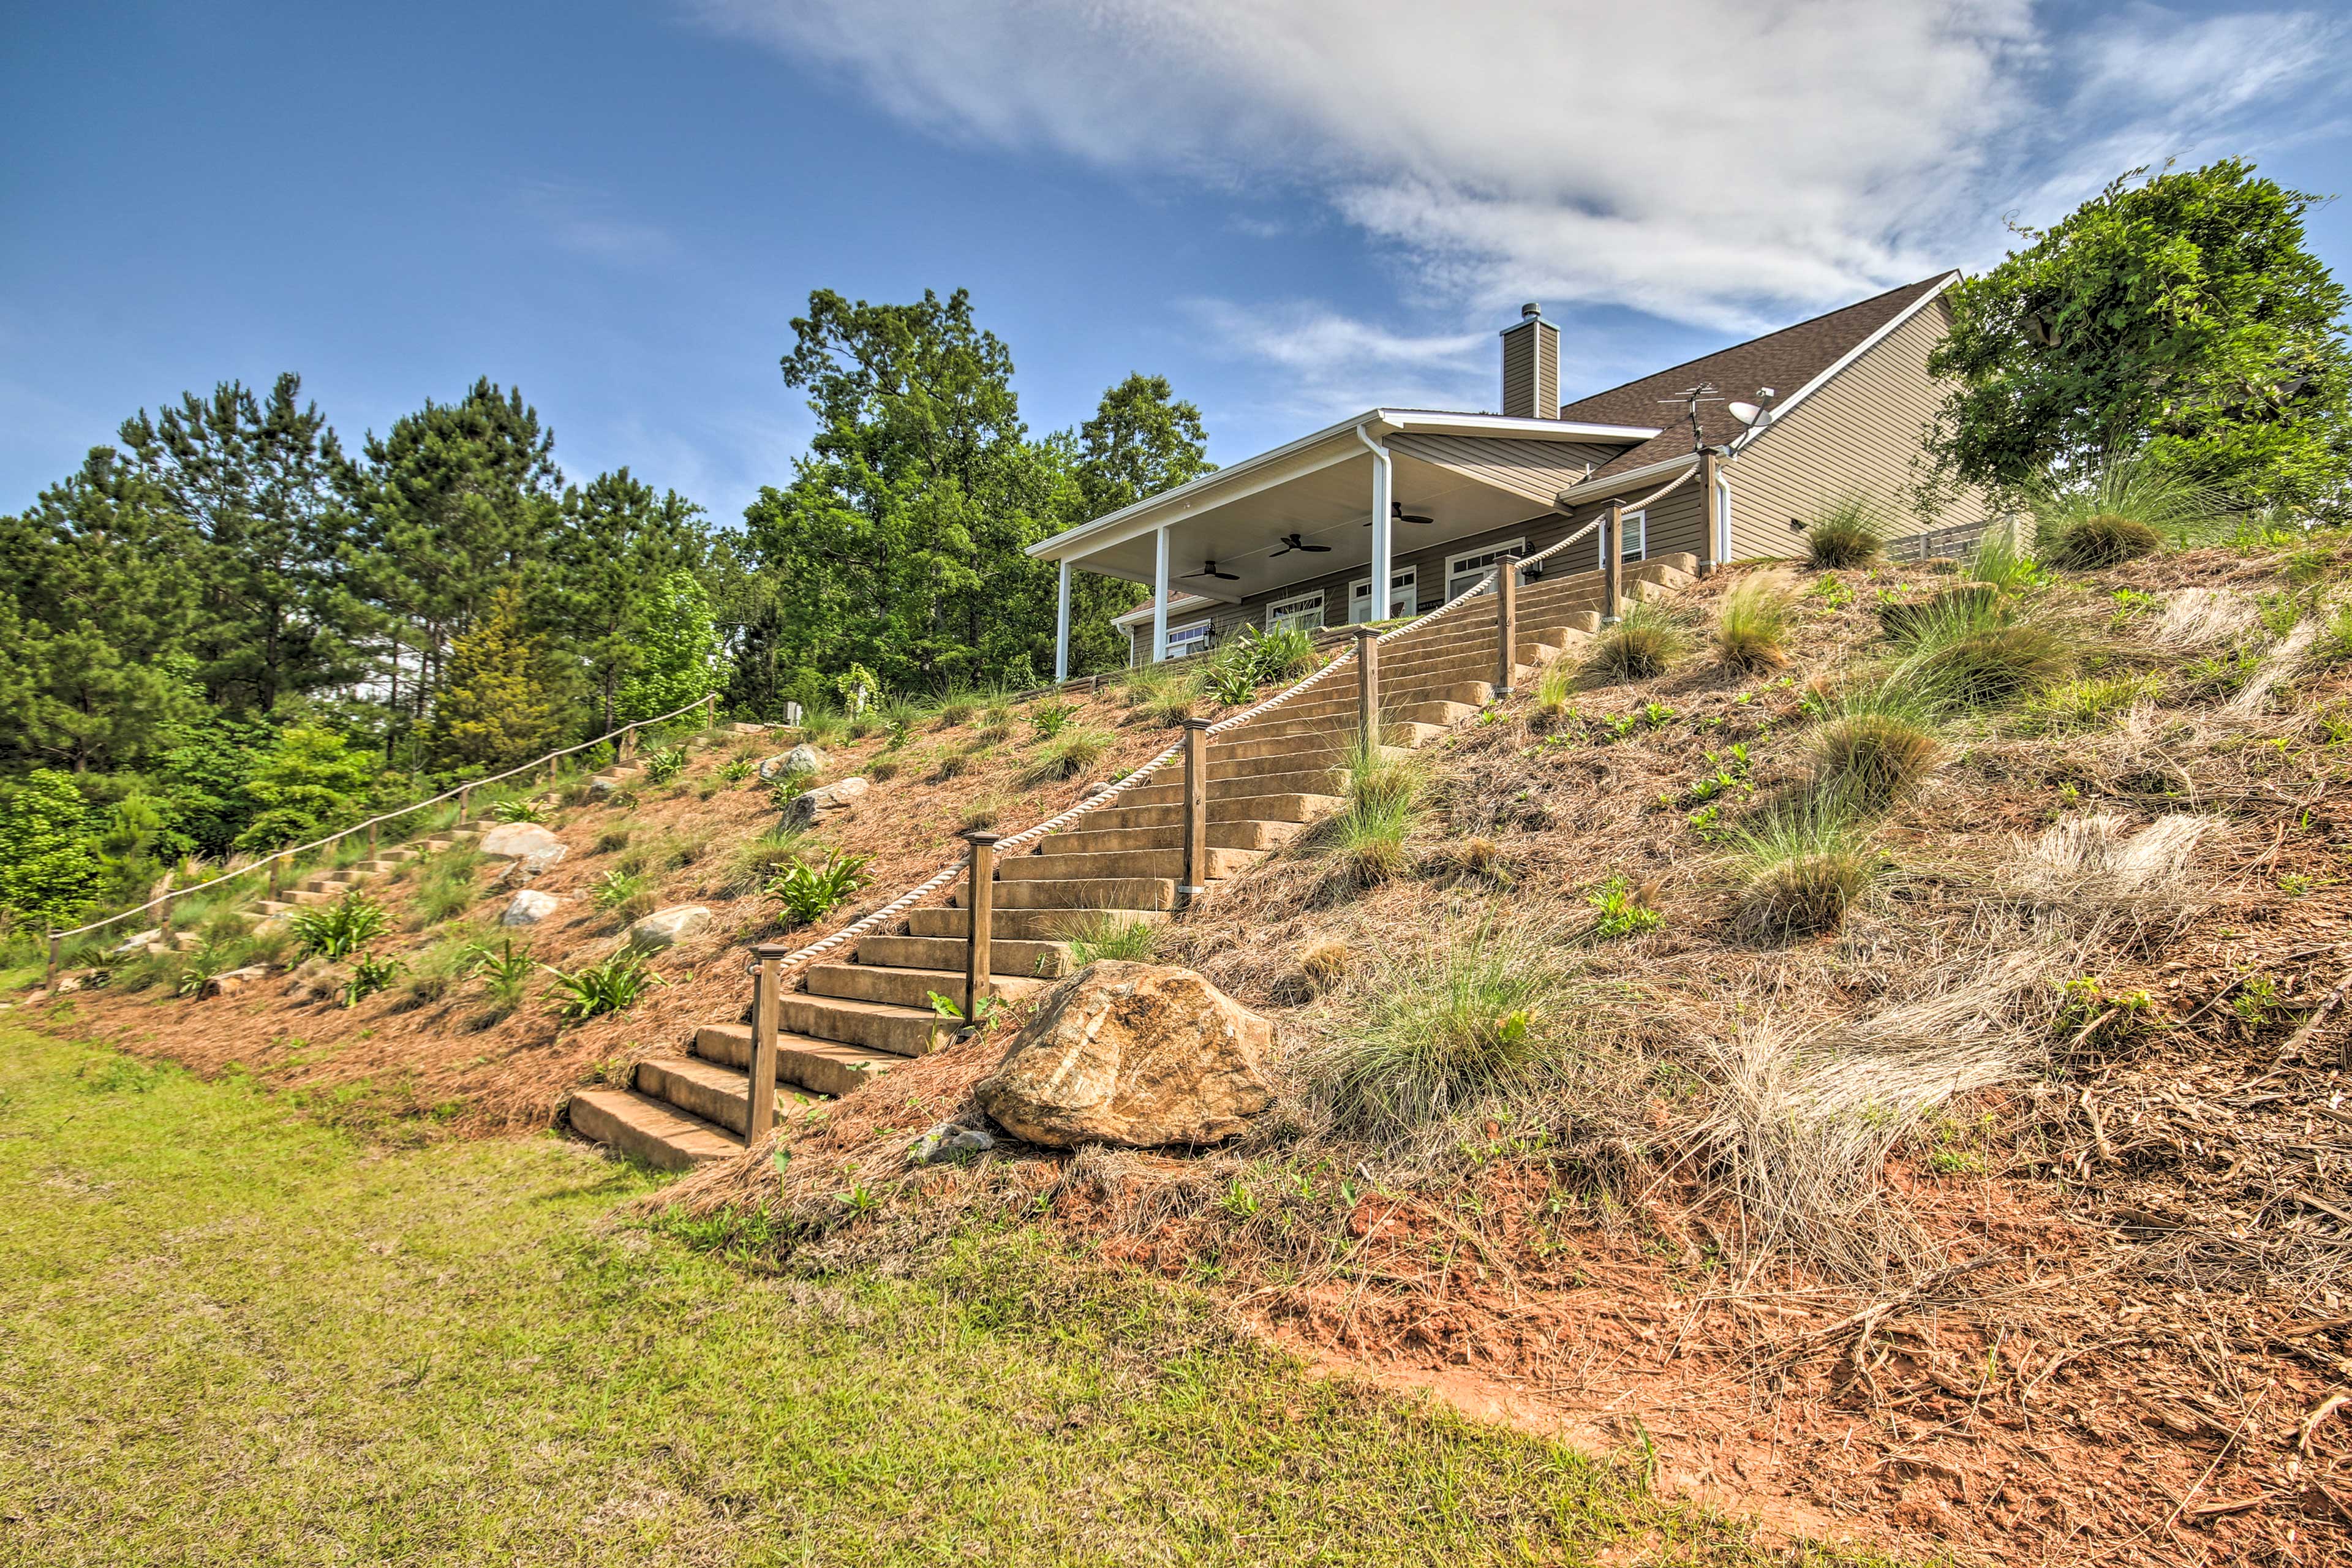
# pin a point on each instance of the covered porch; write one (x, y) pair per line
(1372, 518)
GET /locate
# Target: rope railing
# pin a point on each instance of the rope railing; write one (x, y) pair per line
(175, 894)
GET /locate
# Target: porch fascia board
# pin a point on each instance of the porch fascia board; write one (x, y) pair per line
(1613, 484)
(1299, 458)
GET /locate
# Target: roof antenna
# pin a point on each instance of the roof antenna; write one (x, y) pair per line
(1703, 392)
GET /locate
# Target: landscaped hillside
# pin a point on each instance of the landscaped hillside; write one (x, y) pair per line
(1863, 1031)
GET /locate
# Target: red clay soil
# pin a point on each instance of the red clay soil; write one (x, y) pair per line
(412, 1070)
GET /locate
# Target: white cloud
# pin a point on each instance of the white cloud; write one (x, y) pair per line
(582, 219)
(1328, 359)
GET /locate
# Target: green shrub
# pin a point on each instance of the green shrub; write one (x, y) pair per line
(1069, 753)
(1751, 629)
(1050, 718)
(1621, 909)
(1262, 657)
(1444, 1034)
(370, 974)
(505, 972)
(737, 769)
(1231, 684)
(2103, 539)
(1641, 644)
(594, 990)
(809, 893)
(340, 929)
(1805, 863)
(1847, 530)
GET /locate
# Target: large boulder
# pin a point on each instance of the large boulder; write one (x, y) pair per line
(527, 843)
(1139, 1054)
(664, 927)
(529, 907)
(800, 760)
(803, 809)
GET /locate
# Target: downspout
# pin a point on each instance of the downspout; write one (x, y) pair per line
(1381, 485)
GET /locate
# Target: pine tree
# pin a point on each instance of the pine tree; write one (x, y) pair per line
(618, 544)
(495, 708)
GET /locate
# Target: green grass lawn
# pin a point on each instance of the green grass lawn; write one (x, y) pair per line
(235, 1336)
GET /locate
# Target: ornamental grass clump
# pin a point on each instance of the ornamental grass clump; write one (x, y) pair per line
(1643, 644)
(1873, 747)
(1069, 753)
(1106, 936)
(594, 990)
(1803, 863)
(2105, 539)
(1970, 654)
(1847, 529)
(1366, 837)
(809, 893)
(1751, 630)
(340, 929)
(2125, 508)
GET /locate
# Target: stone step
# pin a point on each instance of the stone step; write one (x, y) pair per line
(309, 895)
(379, 868)
(1475, 693)
(1275, 812)
(1023, 925)
(1049, 960)
(878, 1026)
(270, 909)
(1110, 840)
(1398, 714)
(719, 1095)
(808, 1066)
(906, 987)
(1244, 748)
(1308, 785)
(1085, 893)
(644, 1129)
(1022, 870)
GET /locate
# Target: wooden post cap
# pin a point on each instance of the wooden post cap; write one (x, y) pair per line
(1200, 723)
(767, 950)
(980, 837)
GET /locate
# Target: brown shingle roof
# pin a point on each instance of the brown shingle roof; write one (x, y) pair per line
(1784, 360)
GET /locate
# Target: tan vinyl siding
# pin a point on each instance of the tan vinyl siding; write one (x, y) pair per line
(1862, 430)
(1532, 470)
(1532, 371)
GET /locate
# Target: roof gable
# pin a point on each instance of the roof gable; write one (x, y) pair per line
(1788, 361)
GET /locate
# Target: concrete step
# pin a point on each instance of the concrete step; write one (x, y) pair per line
(906, 987)
(1085, 893)
(1049, 960)
(1223, 836)
(1475, 693)
(1265, 811)
(1396, 710)
(379, 868)
(1024, 925)
(644, 1129)
(805, 1065)
(1233, 753)
(270, 909)
(1022, 870)
(719, 1095)
(878, 1026)
(1307, 785)
(309, 895)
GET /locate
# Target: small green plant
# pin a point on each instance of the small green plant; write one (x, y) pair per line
(1231, 684)
(505, 972)
(1554, 687)
(2091, 1015)
(662, 766)
(615, 889)
(1622, 910)
(950, 1009)
(751, 864)
(2294, 884)
(735, 770)
(1730, 777)
(1067, 754)
(1050, 718)
(524, 809)
(899, 717)
(2088, 704)
(1846, 531)
(809, 893)
(623, 800)
(370, 974)
(1643, 642)
(2257, 1001)
(1656, 715)
(1832, 593)
(1751, 629)
(593, 990)
(1617, 726)
(1999, 563)
(340, 929)
(957, 707)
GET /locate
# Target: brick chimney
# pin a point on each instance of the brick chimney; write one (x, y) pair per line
(1531, 366)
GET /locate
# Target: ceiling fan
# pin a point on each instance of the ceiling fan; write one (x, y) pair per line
(1398, 513)
(1291, 542)
(1209, 569)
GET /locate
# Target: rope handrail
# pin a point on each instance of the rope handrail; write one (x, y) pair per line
(800, 958)
(248, 870)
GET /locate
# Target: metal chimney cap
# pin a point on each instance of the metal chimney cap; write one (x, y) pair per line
(1530, 310)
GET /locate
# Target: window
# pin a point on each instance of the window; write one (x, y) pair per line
(1402, 585)
(1637, 541)
(1185, 641)
(1462, 572)
(1304, 611)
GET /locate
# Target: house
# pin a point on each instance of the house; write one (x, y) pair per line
(1421, 501)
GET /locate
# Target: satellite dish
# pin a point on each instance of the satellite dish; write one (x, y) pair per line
(1745, 412)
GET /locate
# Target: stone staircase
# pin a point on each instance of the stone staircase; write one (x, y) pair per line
(1270, 780)
(326, 887)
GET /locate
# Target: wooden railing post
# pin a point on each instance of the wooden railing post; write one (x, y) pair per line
(1613, 562)
(56, 943)
(1367, 685)
(1708, 469)
(980, 897)
(1196, 810)
(372, 840)
(628, 744)
(767, 1010)
(1506, 623)
(464, 794)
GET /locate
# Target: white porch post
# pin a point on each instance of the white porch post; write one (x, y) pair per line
(1062, 626)
(1382, 572)
(1160, 597)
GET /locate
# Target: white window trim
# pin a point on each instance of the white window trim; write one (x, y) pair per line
(1297, 604)
(1457, 565)
(1401, 580)
(1201, 625)
(1633, 523)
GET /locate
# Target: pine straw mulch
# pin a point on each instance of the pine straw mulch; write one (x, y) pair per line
(2099, 1311)
(407, 1071)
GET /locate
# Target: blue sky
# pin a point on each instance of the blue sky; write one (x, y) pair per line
(1292, 210)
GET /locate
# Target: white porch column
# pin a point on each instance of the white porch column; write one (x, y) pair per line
(1062, 626)
(1160, 597)
(1381, 571)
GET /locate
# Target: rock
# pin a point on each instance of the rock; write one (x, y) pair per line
(949, 1141)
(803, 809)
(234, 980)
(662, 928)
(529, 907)
(802, 759)
(1100, 786)
(530, 848)
(139, 943)
(741, 727)
(1139, 1054)
(606, 784)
